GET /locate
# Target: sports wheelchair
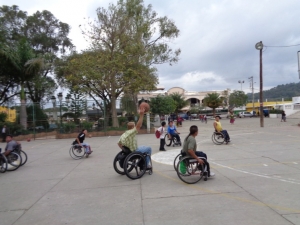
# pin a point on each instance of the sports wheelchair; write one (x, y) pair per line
(173, 139)
(188, 169)
(78, 152)
(218, 138)
(131, 164)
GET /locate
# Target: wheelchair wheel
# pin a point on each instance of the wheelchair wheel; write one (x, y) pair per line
(218, 138)
(3, 163)
(77, 152)
(167, 140)
(135, 165)
(189, 170)
(118, 161)
(14, 161)
(24, 157)
(176, 160)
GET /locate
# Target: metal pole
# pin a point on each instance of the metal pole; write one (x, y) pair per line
(60, 118)
(261, 89)
(33, 119)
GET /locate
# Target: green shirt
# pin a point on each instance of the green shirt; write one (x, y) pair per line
(188, 144)
(128, 139)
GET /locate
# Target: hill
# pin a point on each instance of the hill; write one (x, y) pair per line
(286, 91)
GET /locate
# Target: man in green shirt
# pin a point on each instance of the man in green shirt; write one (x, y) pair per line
(190, 149)
(128, 138)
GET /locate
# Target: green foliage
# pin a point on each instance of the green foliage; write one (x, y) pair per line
(237, 98)
(194, 110)
(78, 104)
(127, 40)
(13, 128)
(286, 91)
(40, 118)
(87, 125)
(3, 116)
(213, 100)
(68, 127)
(162, 105)
(275, 111)
(180, 102)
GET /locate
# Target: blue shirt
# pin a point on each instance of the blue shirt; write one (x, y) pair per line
(171, 130)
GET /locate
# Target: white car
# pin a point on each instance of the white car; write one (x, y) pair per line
(245, 114)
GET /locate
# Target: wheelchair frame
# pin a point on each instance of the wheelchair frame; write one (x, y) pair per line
(134, 165)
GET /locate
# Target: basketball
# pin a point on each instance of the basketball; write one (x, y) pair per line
(145, 105)
(28, 139)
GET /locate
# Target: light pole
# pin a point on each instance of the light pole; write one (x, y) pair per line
(60, 96)
(259, 46)
(53, 99)
(241, 82)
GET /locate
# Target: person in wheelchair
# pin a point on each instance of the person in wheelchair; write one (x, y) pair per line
(218, 128)
(190, 149)
(11, 145)
(128, 138)
(79, 140)
(172, 132)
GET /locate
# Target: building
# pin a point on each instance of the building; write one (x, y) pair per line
(195, 98)
(11, 113)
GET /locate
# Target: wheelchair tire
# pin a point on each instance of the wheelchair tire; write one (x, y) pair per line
(168, 141)
(77, 152)
(135, 165)
(14, 161)
(24, 157)
(176, 160)
(189, 170)
(3, 163)
(218, 138)
(117, 166)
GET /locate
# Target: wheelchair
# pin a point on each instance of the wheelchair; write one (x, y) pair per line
(173, 139)
(190, 171)
(177, 159)
(78, 152)
(131, 164)
(218, 138)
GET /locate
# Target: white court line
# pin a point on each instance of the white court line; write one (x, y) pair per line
(265, 164)
(256, 174)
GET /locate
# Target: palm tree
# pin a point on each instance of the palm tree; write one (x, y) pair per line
(179, 100)
(21, 65)
(213, 100)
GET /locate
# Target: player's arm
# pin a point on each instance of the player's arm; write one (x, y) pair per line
(140, 121)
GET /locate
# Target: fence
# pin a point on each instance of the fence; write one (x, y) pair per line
(49, 120)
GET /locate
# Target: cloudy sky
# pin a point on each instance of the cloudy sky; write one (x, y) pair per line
(217, 39)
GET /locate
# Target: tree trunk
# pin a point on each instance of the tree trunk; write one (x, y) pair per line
(115, 122)
(23, 112)
(214, 112)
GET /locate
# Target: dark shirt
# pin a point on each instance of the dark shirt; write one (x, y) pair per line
(11, 145)
(81, 137)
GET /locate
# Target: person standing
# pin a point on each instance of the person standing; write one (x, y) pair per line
(162, 136)
(4, 132)
(283, 116)
(231, 118)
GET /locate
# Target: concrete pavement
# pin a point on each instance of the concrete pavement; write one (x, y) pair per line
(257, 181)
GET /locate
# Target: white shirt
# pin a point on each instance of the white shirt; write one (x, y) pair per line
(162, 132)
(3, 130)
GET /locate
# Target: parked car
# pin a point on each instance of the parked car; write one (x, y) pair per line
(245, 114)
(184, 116)
(53, 126)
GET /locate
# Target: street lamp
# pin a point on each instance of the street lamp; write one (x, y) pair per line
(53, 99)
(60, 96)
(241, 82)
(259, 46)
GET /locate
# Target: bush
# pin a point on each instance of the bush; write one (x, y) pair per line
(275, 111)
(14, 128)
(87, 125)
(69, 127)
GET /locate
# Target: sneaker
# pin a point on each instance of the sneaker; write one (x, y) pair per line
(211, 174)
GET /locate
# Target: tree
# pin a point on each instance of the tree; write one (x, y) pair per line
(162, 105)
(127, 40)
(237, 99)
(46, 35)
(78, 105)
(180, 102)
(213, 100)
(20, 65)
